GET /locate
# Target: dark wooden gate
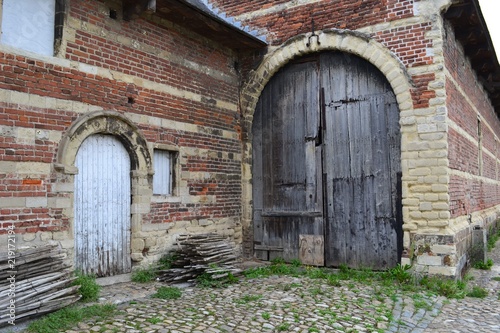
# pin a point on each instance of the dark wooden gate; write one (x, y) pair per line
(326, 165)
(287, 168)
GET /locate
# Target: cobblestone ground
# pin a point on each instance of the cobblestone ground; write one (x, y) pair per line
(273, 304)
(474, 314)
(291, 304)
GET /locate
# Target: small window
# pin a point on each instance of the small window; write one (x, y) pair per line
(163, 179)
(29, 25)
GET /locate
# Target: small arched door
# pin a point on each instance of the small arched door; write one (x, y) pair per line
(326, 165)
(102, 207)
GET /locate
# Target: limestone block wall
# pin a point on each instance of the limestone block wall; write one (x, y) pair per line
(149, 82)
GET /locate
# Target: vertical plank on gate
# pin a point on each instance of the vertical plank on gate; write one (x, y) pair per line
(284, 162)
(359, 163)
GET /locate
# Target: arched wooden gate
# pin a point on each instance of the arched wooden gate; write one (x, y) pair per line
(326, 165)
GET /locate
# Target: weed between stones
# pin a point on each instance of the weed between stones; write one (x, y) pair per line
(167, 293)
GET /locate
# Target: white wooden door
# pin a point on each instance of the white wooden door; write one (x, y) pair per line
(102, 207)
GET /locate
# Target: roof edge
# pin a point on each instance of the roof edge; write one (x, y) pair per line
(207, 9)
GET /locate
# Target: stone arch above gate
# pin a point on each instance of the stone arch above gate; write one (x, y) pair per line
(332, 39)
(359, 44)
(106, 122)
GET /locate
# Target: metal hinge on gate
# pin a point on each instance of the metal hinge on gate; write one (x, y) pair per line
(336, 104)
(333, 104)
(321, 127)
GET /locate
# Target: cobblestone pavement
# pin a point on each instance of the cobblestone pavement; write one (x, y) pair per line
(260, 305)
(291, 304)
(474, 314)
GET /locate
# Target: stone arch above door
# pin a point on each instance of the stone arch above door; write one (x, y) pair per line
(347, 41)
(107, 122)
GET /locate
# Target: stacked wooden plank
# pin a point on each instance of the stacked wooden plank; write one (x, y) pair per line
(201, 254)
(37, 281)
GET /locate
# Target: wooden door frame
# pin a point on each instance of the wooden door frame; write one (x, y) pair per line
(331, 39)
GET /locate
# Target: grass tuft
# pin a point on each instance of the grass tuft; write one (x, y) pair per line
(401, 274)
(283, 327)
(247, 299)
(477, 292)
(444, 287)
(166, 261)
(333, 280)
(154, 320)
(143, 275)
(89, 289)
(316, 273)
(277, 267)
(484, 265)
(492, 239)
(66, 318)
(167, 293)
(207, 281)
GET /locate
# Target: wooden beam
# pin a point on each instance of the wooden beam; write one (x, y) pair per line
(487, 67)
(492, 86)
(478, 55)
(470, 36)
(455, 13)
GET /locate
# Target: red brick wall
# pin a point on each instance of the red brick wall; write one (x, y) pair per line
(341, 14)
(13, 150)
(470, 195)
(226, 186)
(23, 74)
(463, 155)
(408, 43)
(465, 103)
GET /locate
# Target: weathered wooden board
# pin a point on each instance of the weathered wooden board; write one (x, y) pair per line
(287, 198)
(312, 250)
(43, 283)
(361, 163)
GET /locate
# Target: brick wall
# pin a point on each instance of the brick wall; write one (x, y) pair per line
(179, 88)
(182, 90)
(474, 187)
(282, 20)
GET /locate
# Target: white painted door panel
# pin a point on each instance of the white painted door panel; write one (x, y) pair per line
(102, 207)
